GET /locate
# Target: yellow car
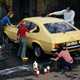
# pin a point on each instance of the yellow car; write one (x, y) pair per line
(46, 33)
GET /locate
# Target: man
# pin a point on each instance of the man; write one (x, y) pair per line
(4, 22)
(6, 19)
(67, 13)
(21, 36)
(66, 59)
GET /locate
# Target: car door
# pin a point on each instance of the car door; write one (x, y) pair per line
(11, 32)
(33, 31)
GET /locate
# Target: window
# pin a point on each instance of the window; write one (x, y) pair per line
(32, 26)
(58, 27)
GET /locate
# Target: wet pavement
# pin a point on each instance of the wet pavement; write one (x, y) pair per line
(11, 68)
(74, 75)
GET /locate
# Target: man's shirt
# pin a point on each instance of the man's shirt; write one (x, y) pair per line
(68, 15)
(22, 31)
(66, 56)
(5, 20)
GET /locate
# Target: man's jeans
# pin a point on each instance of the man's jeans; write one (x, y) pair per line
(22, 48)
(1, 34)
(65, 65)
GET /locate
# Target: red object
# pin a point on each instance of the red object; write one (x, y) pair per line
(22, 30)
(48, 69)
(46, 74)
(37, 73)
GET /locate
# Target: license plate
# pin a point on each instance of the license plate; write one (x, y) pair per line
(72, 43)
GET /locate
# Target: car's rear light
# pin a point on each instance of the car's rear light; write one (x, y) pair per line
(57, 46)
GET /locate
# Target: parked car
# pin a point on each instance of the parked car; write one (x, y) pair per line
(46, 34)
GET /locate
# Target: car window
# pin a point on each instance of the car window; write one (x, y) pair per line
(32, 26)
(58, 27)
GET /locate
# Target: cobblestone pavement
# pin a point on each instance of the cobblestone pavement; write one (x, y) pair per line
(73, 75)
(11, 61)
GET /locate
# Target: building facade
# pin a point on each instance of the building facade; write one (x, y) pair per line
(26, 8)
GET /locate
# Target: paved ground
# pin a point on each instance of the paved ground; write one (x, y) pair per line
(11, 61)
(73, 75)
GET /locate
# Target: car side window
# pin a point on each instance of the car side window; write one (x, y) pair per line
(32, 27)
(58, 27)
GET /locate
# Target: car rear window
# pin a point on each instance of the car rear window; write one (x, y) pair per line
(58, 27)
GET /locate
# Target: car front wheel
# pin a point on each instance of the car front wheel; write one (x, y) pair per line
(37, 50)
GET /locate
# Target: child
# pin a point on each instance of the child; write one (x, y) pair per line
(64, 55)
(21, 35)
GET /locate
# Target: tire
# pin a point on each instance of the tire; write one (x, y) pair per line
(5, 41)
(37, 50)
(9, 46)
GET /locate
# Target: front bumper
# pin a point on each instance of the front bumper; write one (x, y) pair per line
(71, 48)
(74, 48)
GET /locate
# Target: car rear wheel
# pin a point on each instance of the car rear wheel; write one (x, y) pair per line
(7, 43)
(37, 50)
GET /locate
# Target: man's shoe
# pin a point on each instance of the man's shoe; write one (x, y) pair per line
(24, 59)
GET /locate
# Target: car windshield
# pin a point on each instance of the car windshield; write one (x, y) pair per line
(58, 27)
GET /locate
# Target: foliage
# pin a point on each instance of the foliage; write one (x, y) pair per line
(1, 1)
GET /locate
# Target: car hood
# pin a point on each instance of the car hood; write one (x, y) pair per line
(66, 37)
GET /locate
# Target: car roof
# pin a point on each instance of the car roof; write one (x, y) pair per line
(44, 20)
